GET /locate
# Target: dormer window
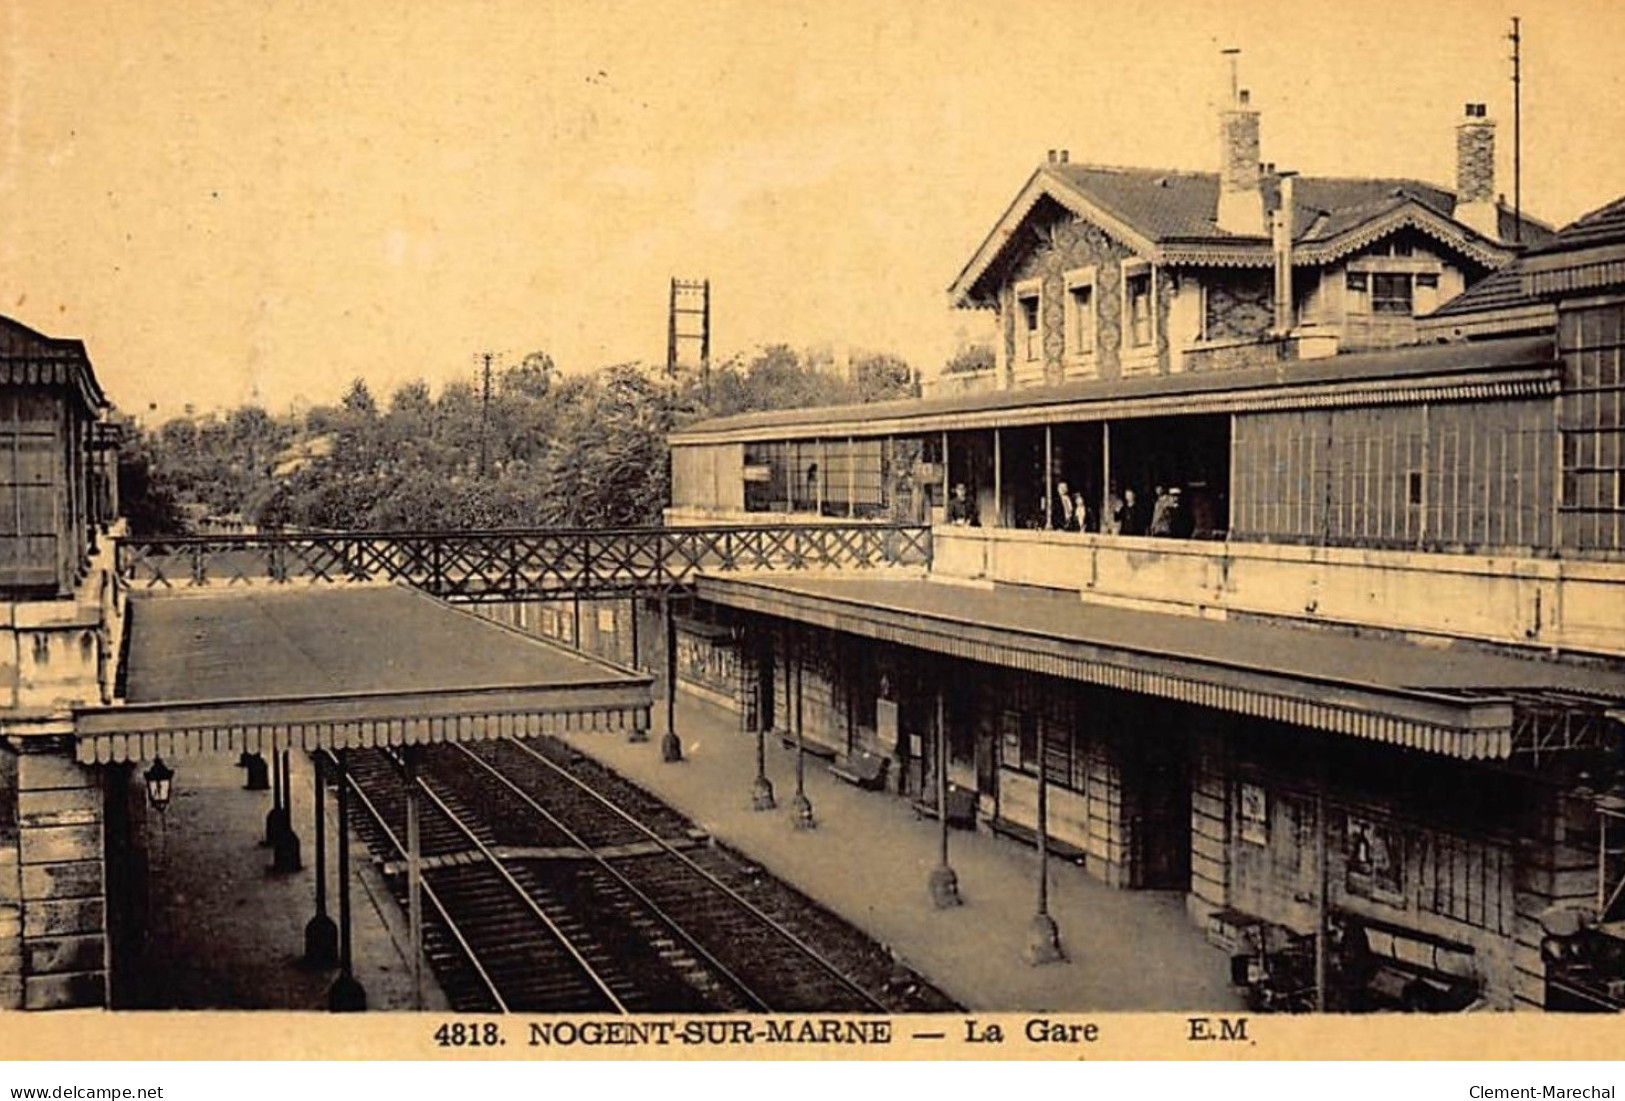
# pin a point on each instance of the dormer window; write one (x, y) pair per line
(1392, 287)
(1391, 293)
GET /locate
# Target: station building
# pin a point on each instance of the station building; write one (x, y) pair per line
(1352, 661)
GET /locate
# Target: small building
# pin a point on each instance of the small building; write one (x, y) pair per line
(55, 483)
(61, 636)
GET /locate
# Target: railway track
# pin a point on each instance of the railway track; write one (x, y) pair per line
(500, 935)
(530, 841)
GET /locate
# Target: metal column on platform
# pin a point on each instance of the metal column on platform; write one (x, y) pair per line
(638, 733)
(346, 995)
(273, 817)
(1043, 936)
(800, 805)
(944, 881)
(636, 659)
(285, 856)
(321, 934)
(671, 746)
(761, 795)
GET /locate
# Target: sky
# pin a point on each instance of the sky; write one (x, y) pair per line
(259, 200)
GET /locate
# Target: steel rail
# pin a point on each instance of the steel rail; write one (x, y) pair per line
(535, 908)
(771, 922)
(603, 862)
(434, 899)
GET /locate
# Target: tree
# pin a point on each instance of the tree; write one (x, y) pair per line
(358, 399)
(970, 357)
(530, 379)
(882, 376)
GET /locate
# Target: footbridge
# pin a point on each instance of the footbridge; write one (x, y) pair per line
(503, 565)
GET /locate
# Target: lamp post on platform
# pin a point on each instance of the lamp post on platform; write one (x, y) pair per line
(1043, 936)
(800, 805)
(761, 794)
(160, 780)
(944, 881)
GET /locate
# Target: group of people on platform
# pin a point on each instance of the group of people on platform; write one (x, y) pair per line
(1166, 514)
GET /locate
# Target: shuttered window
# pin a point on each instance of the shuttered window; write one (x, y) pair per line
(32, 485)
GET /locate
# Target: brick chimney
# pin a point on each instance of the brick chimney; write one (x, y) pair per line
(1241, 200)
(1475, 172)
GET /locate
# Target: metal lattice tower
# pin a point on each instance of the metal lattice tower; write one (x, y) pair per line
(688, 321)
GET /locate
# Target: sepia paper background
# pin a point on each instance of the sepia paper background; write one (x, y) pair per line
(257, 201)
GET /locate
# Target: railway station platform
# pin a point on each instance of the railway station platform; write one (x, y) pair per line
(224, 932)
(868, 860)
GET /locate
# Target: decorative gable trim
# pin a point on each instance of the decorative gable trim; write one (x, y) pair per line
(967, 291)
(1410, 214)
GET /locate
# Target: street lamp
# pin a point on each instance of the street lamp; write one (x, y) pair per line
(160, 777)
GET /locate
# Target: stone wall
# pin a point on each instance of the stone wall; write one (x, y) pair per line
(1557, 868)
(1550, 605)
(1240, 304)
(53, 906)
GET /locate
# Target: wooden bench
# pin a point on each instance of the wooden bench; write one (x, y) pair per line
(961, 810)
(862, 768)
(808, 746)
(1057, 848)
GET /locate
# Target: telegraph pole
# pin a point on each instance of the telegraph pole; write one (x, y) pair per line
(485, 410)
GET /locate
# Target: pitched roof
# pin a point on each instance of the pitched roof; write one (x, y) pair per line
(1583, 253)
(1498, 291)
(1603, 226)
(1171, 216)
(30, 358)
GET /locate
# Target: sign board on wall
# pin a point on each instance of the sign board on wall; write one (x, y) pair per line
(886, 724)
(1255, 816)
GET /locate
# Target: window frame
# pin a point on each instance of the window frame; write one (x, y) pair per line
(1030, 323)
(1423, 275)
(1075, 280)
(1132, 272)
(1381, 303)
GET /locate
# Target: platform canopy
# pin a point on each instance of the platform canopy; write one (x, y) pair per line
(269, 668)
(1465, 704)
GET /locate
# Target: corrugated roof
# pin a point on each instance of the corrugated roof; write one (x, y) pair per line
(1398, 363)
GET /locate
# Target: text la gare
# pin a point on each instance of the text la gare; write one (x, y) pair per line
(1037, 1030)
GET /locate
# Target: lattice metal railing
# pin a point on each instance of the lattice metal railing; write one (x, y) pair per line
(506, 565)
